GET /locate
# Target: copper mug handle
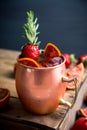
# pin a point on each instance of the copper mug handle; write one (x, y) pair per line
(64, 102)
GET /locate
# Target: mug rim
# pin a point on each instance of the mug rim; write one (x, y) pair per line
(43, 68)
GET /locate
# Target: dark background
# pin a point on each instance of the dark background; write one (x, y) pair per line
(62, 22)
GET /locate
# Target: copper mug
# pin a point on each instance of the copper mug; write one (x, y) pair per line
(41, 89)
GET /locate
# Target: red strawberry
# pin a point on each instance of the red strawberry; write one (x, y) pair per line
(31, 51)
(67, 57)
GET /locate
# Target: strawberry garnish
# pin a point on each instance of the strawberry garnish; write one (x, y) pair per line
(31, 49)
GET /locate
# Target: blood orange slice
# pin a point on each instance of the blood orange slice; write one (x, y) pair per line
(28, 62)
(83, 111)
(4, 97)
(77, 71)
(51, 51)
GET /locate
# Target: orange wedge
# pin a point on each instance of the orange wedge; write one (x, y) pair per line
(51, 50)
(83, 111)
(28, 62)
(77, 71)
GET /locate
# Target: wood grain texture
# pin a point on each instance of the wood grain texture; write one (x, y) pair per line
(14, 114)
(7, 61)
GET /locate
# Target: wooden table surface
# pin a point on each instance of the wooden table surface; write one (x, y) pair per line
(62, 119)
(7, 61)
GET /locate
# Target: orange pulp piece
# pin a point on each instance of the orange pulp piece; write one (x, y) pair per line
(83, 111)
(28, 62)
(51, 50)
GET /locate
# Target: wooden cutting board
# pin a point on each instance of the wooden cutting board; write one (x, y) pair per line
(15, 116)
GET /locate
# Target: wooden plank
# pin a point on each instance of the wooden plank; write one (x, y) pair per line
(61, 119)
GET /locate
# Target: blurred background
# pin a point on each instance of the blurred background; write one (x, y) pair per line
(62, 22)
